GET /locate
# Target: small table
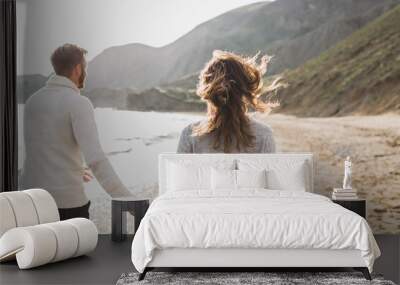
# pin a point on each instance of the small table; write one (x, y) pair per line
(118, 216)
(357, 206)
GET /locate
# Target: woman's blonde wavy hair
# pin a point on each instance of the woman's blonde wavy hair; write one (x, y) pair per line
(231, 84)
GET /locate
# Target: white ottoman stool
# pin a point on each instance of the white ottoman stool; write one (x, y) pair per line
(31, 232)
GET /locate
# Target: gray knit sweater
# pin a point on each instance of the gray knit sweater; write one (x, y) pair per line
(59, 127)
(264, 140)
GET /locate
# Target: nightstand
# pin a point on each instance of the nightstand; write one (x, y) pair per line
(357, 206)
(119, 207)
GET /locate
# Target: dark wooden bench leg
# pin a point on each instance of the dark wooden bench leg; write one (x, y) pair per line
(143, 274)
(118, 224)
(364, 271)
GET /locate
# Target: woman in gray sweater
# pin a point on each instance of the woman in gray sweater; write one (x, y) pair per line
(230, 85)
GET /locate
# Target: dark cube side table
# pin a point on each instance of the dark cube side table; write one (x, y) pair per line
(358, 206)
(119, 207)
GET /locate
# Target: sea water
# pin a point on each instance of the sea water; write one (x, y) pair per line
(132, 142)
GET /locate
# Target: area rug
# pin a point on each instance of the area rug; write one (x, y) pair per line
(244, 278)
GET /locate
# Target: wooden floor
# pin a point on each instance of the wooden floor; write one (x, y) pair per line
(110, 260)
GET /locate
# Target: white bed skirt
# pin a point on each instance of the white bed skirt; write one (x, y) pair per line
(193, 257)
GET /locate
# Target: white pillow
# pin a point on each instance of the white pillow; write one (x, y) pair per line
(223, 179)
(188, 177)
(293, 179)
(227, 179)
(282, 174)
(251, 178)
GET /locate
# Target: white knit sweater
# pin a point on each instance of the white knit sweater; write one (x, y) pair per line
(59, 127)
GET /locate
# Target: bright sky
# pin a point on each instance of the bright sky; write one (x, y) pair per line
(98, 24)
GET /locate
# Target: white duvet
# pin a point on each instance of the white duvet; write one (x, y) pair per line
(250, 219)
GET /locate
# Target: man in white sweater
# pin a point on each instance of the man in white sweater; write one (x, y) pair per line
(59, 127)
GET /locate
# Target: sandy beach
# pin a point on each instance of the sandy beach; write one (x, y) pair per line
(373, 143)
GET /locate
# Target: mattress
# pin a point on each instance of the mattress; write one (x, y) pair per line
(250, 219)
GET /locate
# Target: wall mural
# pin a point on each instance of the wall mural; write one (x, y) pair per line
(341, 97)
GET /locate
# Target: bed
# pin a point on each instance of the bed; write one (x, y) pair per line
(245, 211)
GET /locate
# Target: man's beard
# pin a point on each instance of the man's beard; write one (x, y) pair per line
(82, 80)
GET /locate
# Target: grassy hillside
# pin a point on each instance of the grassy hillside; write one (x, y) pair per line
(29, 84)
(360, 75)
(294, 31)
(164, 100)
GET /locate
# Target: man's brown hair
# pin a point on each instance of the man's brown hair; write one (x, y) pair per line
(66, 57)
